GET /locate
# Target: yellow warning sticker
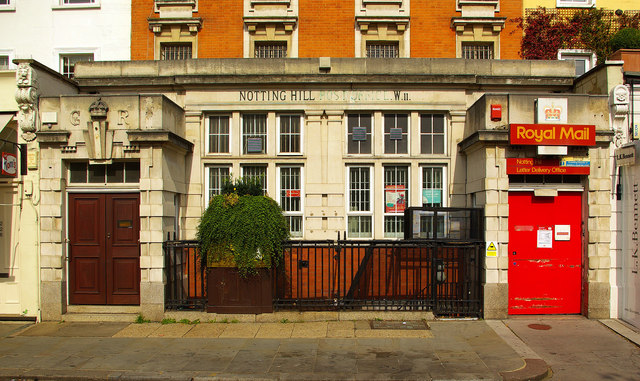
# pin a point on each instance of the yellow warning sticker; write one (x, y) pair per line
(492, 251)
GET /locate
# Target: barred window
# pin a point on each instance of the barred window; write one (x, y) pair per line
(290, 134)
(270, 49)
(359, 133)
(175, 51)
(256, 172)
(477, 50)
(359, 219)
(291, 198)
(254, 133)
(396, 196)
(396, 133)
(432, 186)
(383, 49)
(217, 177)
(432, 136)
(219, 134)
(68, 62)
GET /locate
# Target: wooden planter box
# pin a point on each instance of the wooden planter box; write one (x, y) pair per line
(228, 293)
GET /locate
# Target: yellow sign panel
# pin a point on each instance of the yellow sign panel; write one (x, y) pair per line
(492, 251)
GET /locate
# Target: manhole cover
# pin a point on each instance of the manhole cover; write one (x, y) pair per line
(394, 324)
(541, 327)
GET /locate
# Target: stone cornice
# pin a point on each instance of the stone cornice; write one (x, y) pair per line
(161, 137)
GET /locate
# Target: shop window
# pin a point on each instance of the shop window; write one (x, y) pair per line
(432, 134)
(254, 133)
(477, 50)
(360, 214)
(396, 133)
(256, 172)
(584, 59)
(171, 51)
(396, 196)
(383, 49)
(270, 49)
(359, 127)
(215, 178)
(290, 134)
(68, 62)
(114, 173)
(291, 198)
(219, 134)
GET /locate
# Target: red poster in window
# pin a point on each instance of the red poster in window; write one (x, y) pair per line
(395, 198)
(293, 193)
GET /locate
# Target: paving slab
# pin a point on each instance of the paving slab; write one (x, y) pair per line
(138, 330)
(242, 330)
(171, 330)
(206, 330)
(309, 330)
(274, 331)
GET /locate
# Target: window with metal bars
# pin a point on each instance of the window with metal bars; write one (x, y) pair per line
(396, 196)
(432, 137)
(290, 134)
(256, 172)
(359, 219)
(270, 49)
(432, 186)
(396, 133)
(219, 134)
(477, 50)
(383, 49)
(217, 177)
(359, 133)
(254, 133)
(291, 198)
(175, 51)
(68, 62)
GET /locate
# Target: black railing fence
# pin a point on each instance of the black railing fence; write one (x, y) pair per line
(185, 286)
(408, 275)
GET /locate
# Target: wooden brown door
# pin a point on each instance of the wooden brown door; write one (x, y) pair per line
(104, 262)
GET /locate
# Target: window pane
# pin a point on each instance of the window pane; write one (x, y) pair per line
(290, 189)
(432, 134)
(217, 177)
(359, 185)
(396, 194)
(383, 49)
(359, 226)
(290, 133)
(477, 51)
(358, 144)
(78, 173)
(254, 131)
(392, 123)
(68, 63)
(432, 186)
(256, 172)
(132, 172)
(219, 134)
(4, 62)
(270, 49)
(97, 173)
(115, 173)
(394, 227)
(175, 51)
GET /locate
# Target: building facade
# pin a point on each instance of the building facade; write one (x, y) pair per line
(144, 145)
(174, 29)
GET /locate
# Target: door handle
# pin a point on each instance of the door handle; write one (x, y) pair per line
(108, 235)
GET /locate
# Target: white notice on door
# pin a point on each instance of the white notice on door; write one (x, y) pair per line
(545, 238)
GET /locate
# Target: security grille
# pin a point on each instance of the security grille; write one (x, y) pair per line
(271, 49)
(383, 50)
(474, 51)
(396, 186)
(217, 177)
(290, 198)
(171, 52)
(432, 186)
(256, 172)
(289, 133)
(219, 134)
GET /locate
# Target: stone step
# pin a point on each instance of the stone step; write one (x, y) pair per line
(92, 309)
(99, 317)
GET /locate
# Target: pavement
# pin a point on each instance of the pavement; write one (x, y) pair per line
(519, 348)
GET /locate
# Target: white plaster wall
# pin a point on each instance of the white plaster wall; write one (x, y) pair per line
(41, 29)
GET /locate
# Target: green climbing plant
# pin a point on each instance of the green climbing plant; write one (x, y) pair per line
(242, 228)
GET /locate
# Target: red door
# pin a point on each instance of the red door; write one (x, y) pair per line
(545, 253)
(104, 262)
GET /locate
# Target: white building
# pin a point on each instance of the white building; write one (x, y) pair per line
(59, 33)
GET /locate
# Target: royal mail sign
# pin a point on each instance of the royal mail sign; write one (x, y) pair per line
(553, 134)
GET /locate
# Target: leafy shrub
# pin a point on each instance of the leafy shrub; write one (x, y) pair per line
(627, 38)
(242, 229)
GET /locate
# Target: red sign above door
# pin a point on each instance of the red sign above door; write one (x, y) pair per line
(553, 134)
(530, 166)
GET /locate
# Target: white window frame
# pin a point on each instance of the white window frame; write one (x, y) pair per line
(265, 137)
(445, 191)
(300, 134)
(406, 135)
(360, 213)
(60, 4)
(207, 179)
(299, 213)
(445, 135)
(407, 168)
(575, 4)
(10, 7)
(588, 55)
(10, 55)
(244, 166)
(371, 133)
(60, 52)
(207, 133)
